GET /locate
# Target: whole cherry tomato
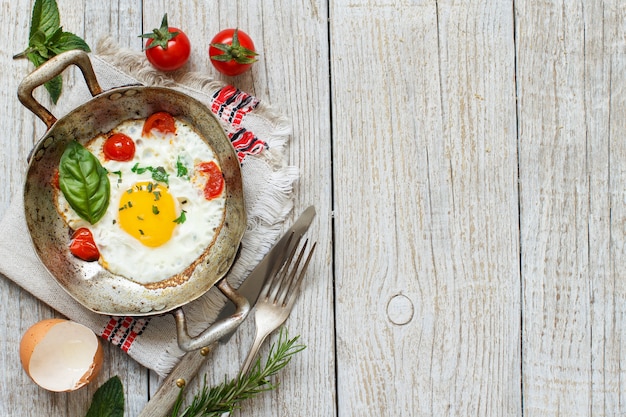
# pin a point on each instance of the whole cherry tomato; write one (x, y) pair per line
(83, 246)
(167, 48)
(161, 121)
(119, 147)
(232, 52)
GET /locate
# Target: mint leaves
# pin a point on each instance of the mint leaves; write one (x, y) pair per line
(47, 39)
(108, 400)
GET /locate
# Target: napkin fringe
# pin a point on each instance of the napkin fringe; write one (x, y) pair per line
(267, 176)
(135, 63)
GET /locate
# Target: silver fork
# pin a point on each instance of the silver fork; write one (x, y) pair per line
(277, 297)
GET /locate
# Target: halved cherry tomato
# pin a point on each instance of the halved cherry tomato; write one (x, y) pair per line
(167, 48)
(83, 246)
(215, 181)
(119, 147)
(161, 121)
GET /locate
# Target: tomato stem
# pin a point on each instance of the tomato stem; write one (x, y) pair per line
(234, 51)
(160, 36)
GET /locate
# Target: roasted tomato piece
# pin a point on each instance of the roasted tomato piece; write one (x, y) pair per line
(215, 180)
(83, 246)
(161, 121)
(119, 147)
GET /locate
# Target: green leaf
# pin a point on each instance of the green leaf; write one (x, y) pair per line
(158, 174)
(55, 87)
(181, 169)
(47, 39)
(45, 17)
(84, 182)
(35, 58)
(108, 400)
(160, 36)
(37, 39)
(68, 41)
(182, 218)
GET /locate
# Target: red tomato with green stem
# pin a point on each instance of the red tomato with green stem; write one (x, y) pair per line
(167, 48)
(232, 52)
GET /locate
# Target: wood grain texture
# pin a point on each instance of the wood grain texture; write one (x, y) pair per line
(467, 163)
(570, 65)
(425, 187)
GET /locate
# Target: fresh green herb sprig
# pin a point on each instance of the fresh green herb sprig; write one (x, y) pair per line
(227, 396)
(108, 400)
(47, 39)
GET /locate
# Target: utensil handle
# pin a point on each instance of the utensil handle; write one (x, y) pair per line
(182, 374)
(218, 329)
(46, 72)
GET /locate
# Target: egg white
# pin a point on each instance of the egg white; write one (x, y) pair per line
(120, 252)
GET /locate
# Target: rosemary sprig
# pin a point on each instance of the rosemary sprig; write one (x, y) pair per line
(227, 396)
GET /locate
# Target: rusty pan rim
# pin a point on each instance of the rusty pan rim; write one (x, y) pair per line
(91, 285)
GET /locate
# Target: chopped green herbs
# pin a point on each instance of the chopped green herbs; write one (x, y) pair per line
(181, 169)
(182, 218)
(119, 176)
(158, 174)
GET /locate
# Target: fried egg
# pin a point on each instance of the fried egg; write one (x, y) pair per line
(158, 221)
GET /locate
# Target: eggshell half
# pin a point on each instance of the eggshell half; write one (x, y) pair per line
(60, 355)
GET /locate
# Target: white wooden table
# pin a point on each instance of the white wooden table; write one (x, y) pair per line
(468, 163)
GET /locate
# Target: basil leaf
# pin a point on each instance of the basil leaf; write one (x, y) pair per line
(108, 400)
(45, 17)
(84, 182)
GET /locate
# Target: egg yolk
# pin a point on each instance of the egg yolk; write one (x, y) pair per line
(147, 212)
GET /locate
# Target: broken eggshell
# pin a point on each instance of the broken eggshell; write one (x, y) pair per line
(60, 355)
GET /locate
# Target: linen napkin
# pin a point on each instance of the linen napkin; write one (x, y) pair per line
(259, 135)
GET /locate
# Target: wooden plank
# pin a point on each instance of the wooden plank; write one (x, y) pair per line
(426, 246)
(21, 310)
(571, 176)
(291, 77)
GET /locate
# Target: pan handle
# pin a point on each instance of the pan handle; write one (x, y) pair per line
(218, 329)
(47, 72)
